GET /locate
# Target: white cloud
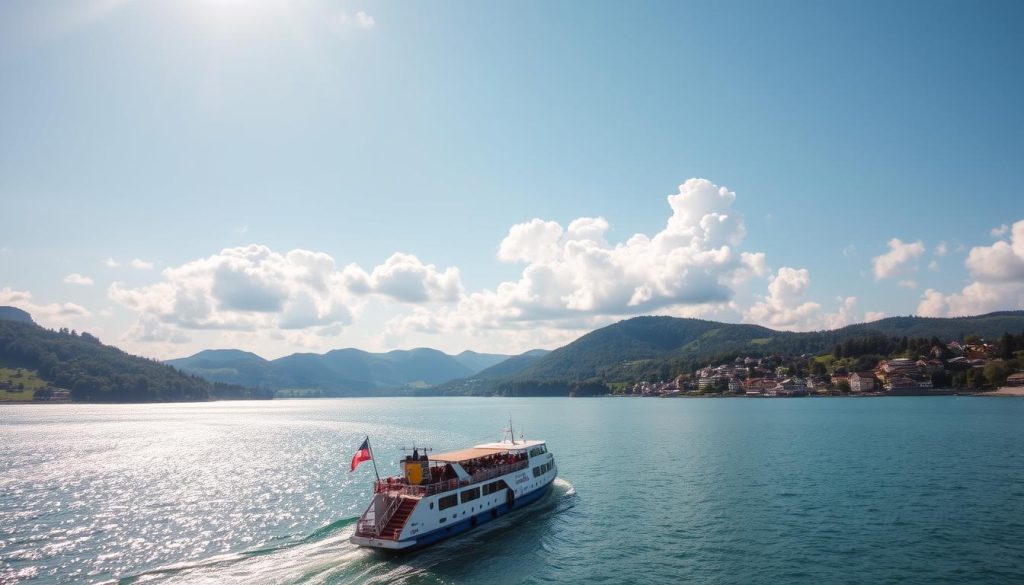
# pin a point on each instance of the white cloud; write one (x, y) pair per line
(365, 21)
(534, 241)
(255, 289)
(150, 329)
(941, 249)
(76, 278)
(998, 273)
(574, 279)
(785, 307)
(911, 284)
(405, 278)
(849, 250)
(1000, 262)
(998, 232)
(974, 299)
(140, 264)
(341, 23)
(111, 263)
(50, 315)
(899, 260)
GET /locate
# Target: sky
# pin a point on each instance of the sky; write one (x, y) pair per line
(298, 176)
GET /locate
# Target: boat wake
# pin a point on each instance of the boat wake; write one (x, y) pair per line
(326, 556)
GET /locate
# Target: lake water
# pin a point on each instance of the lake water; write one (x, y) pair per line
(842, 490)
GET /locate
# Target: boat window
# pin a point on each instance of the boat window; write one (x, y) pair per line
(447, 502)
(470, 494)
(538, 450)
(493, 487)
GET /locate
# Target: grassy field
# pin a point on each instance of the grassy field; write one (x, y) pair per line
(26, 378)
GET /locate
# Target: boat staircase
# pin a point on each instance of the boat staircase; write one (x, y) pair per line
(393, 526)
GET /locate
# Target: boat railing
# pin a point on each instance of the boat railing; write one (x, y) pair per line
(398, 489)
(372, 523)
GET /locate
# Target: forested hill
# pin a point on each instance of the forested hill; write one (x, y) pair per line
(95, 372)
(340, 372)
(662, 347)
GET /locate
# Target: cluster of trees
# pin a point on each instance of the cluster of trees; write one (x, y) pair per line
(551, 388)
(99, 373)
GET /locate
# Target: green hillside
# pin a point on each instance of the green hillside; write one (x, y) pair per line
(662, 347)
(95, 372)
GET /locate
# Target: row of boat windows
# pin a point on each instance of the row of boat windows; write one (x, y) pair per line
(469, 495)
(539, 450)
(542, 469)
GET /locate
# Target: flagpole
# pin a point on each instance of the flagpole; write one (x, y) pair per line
(372, 458)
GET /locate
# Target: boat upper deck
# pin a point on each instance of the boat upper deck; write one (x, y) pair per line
(484, 450)
(476, 464)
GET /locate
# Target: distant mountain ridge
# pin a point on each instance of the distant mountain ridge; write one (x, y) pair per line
(338, 372)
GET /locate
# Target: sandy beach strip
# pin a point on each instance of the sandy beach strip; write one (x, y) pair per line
(1005, 391)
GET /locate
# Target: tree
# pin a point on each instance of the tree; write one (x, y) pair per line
(1007, 346)
(996, 372)
(843, 386)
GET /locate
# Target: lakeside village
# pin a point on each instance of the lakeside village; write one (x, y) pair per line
(972, 366)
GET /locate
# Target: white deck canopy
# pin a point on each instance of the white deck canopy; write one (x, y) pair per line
(483, 450)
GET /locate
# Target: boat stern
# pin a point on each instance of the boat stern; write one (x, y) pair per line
(382, 543)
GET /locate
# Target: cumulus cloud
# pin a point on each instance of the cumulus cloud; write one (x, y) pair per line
(998, 232)
(1002, 261)
(405, 278)
(51, 314)
(252, 288)
(140, 264)
(575, 270)
(941, 249)
(111, 263)
(901, 259)
(998, 280)
(76, 278)
(785, 307)
(574, 279)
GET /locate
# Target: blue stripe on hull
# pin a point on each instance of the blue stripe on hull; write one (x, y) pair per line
(482, 518)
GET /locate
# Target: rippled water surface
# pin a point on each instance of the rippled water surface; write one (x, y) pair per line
(892, 490)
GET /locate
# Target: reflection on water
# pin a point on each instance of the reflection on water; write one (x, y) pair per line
(913, 490)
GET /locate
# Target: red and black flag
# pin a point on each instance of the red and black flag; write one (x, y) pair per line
(363, 454)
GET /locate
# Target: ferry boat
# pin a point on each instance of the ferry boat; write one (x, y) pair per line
(441, 495)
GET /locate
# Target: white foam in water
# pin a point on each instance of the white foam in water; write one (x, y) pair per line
(333, 559)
